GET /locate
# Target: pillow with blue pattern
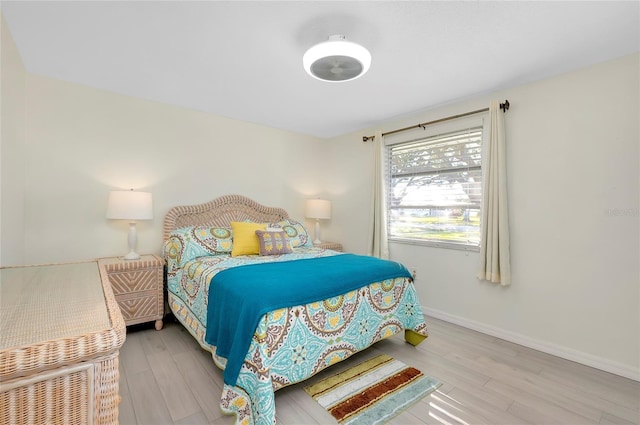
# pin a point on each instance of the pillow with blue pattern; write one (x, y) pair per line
(296, 232)
(187, 243)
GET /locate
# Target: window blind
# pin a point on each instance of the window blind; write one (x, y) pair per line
(435, 188)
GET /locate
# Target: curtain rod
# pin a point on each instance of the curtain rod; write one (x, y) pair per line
(504, 106)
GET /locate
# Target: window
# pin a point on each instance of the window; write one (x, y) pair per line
(435, 189)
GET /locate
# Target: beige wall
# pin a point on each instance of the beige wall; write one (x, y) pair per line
(12, 144)
(574, 199)
(84, 142)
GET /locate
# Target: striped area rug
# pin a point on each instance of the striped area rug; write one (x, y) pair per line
(371, 392)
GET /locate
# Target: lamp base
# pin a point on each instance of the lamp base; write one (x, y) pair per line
(133, 240)
(316, 232)
(132, 256)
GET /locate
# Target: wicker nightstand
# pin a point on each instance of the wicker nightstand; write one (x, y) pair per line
(138, 287)
(329, 245)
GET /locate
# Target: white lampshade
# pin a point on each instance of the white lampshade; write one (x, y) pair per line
(336, 60)
(129, 205)
(318, 209)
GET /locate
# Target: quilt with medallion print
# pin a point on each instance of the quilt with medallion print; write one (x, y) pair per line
(291, 344)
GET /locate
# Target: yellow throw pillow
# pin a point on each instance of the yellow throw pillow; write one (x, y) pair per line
(245, 241)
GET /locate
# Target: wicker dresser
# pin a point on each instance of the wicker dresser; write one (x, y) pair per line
(61, 331)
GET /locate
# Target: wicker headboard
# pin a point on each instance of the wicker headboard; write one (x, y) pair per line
(221, 212)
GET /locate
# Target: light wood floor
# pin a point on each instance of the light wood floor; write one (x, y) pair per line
(166, 378)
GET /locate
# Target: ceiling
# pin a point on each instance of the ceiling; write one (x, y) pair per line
(243, 60)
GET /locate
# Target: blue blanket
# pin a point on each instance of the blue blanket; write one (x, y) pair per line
(240, 296)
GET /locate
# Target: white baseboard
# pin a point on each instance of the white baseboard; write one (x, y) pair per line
(546, 347)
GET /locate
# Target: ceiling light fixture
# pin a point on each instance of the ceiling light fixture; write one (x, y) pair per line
(336, 60)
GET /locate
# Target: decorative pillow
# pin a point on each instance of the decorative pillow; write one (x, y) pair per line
(187, 243)
(273, 243)
(218, 240)
(172, 251)
(245, 241)
(296, 232)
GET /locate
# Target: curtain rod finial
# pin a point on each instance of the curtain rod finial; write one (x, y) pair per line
(365, 139)
(505, 106)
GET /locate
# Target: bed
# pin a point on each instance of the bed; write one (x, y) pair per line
(287, 342)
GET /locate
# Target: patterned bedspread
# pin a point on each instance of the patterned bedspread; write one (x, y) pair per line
(291, 344)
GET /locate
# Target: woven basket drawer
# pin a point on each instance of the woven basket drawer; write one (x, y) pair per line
(139, 309)
(135, 281)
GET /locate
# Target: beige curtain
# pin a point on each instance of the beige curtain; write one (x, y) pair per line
(494, 230)
(378, 243)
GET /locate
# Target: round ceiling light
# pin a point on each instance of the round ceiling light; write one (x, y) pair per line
(336, 60)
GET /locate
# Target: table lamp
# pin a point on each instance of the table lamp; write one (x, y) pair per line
(318, 209)
(130, 205)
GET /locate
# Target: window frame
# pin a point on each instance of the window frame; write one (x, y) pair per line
(416, 135)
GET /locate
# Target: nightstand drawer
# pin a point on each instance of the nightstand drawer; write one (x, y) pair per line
(138, 309)
(135, 281)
